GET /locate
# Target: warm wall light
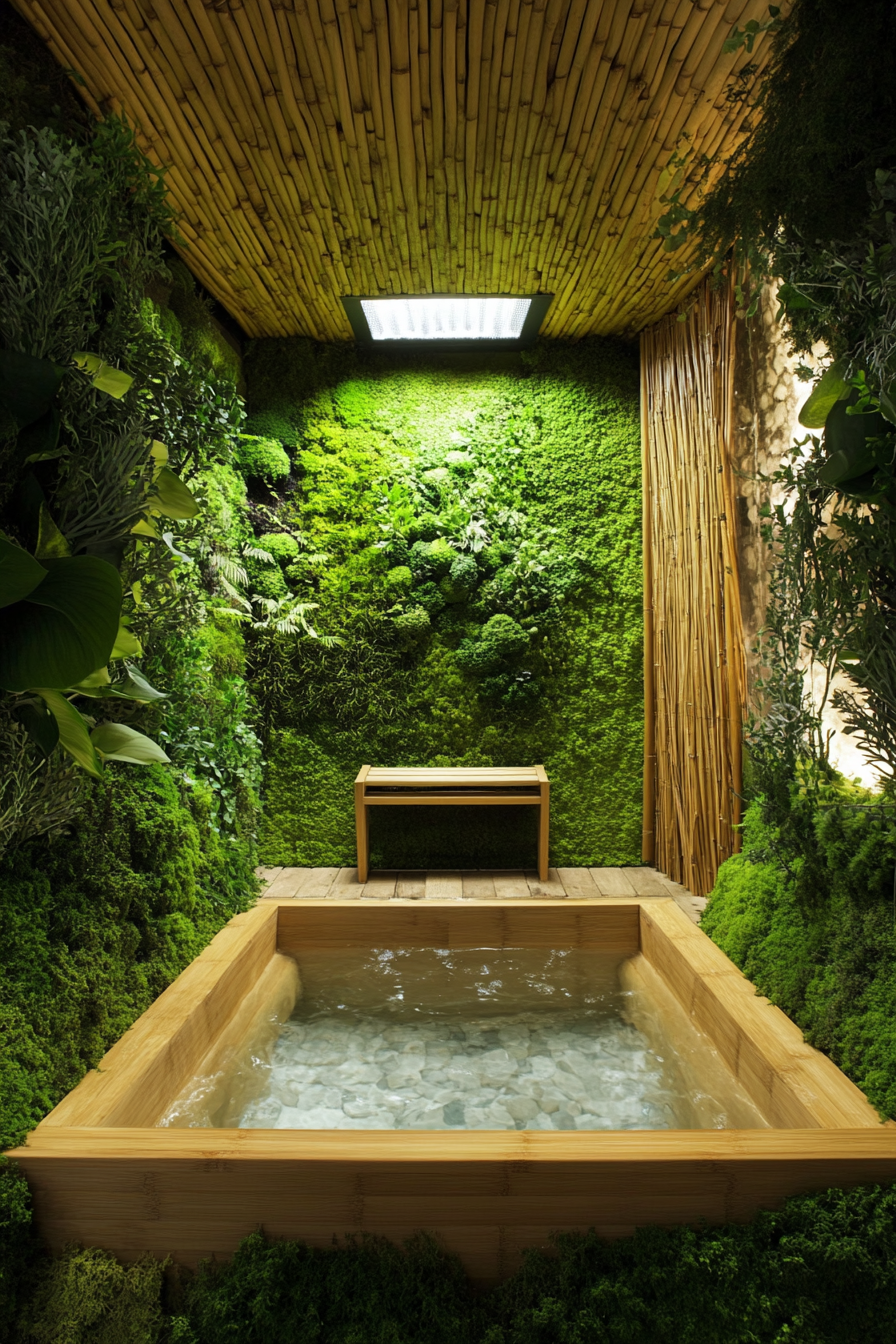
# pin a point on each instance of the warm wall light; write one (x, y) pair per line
(448, 320)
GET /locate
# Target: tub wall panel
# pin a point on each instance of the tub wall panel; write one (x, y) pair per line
(486, 1196)
(613, 928)
(794, 1085)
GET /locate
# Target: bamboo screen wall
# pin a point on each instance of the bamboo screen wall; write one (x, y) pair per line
(694, 657)
(321, 148)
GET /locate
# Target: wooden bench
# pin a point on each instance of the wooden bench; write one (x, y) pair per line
(523, 786)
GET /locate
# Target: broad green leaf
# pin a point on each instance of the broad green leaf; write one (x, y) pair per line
(118, 742)
(94, 684)
(39, 724)
(171, 497)
(146, 529)
(830, 388)
(133, 687)
(791, 297)
(27, 385)
(51, 544)
(66, 627)
(20, 573)
(845, 465)
(846, 440)
(105, 377)
(136, 687)
(126, 645)
(74, 732)
(159, 453)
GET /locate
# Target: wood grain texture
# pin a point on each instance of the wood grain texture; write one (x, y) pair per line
(792, 1084)
(696, 655)
(578, 882)
(486, 1196)
(460, 923)
(445, 886)
(612, 881)
(318, 151)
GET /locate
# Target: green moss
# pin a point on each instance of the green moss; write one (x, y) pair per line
(87, 1297)
(94, 928)
(258, 455)
(826, 955)
(447, 497)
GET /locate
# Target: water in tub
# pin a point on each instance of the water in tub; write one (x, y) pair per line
(430, 1038)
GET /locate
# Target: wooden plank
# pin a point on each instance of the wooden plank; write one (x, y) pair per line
(435, 776)
(362, 831)
(478, 886)
(379, 887)
(318, 883)
(444, 886)
(287, 884)
(460, 923)
(511, 885)
(551, 889)
(411, 886)
(346, 886)
(612, 881)
(578, 883)
(455, 798)
(646, 882)
(544, 826)
(193, 1192)
(792, 1084)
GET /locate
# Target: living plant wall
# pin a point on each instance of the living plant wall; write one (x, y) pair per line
(129, 769)
(464, 533)
(807, 910)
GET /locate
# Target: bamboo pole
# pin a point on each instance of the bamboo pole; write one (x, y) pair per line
(325, 147)
(699, 686)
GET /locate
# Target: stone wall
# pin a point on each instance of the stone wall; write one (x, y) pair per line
(767, 402)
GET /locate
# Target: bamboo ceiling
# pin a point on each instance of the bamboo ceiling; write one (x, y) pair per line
(321, 148)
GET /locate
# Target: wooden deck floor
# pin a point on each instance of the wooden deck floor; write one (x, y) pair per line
(476, 884)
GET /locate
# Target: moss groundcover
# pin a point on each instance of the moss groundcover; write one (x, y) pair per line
(468, 532)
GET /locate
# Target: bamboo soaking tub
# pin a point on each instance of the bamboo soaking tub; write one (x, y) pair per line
(104, 1174)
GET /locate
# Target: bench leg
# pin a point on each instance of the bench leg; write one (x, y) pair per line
(363, 840)
(544, 831)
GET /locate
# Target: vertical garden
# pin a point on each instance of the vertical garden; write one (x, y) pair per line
(464, 537)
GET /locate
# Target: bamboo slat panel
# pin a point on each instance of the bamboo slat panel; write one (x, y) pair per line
(321, 148)
(695, 682)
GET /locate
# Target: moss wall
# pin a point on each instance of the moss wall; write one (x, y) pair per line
(469, 528)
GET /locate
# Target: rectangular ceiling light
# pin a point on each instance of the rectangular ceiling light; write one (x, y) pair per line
(448, 320)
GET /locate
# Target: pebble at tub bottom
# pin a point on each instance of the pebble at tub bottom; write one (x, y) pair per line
(521, 1071)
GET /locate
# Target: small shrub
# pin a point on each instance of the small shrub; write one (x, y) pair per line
(399, 579)
(281, 546)
(268, 581)
(501, 639)
(460, 581)
(412, 626)
(262, 457)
